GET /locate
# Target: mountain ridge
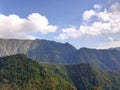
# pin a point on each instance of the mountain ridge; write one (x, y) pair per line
(64, 53)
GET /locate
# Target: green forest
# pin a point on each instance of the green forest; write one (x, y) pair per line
(17, 72)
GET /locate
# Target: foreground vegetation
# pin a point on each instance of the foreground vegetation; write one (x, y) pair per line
(18, 72)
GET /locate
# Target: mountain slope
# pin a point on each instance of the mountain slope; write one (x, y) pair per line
(87, 77)
(50, 51)
(20, 72)
(103, 59)
(13, 46)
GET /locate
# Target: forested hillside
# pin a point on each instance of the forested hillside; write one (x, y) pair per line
(20, 72)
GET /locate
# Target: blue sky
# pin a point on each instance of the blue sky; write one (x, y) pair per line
(59, 12)
(83, 23)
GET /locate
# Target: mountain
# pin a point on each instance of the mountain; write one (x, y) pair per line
(18, 72)
(87, 77)
(47, 51)
(21, 73)
(117, 48)
(105, 59)
(50, 51)
(64, 53)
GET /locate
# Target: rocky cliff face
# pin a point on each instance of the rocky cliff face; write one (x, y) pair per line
(14, 46)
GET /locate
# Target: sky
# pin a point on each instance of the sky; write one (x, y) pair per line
(82, 23)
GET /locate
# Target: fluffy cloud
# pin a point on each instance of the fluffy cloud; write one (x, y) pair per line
(13, 26)
(71, 32)
(88, 14)
(97, 6)
(95, 22)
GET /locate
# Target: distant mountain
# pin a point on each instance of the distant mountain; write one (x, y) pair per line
(18, 72)
(106, 59)
(117, 48)
(42, 50)
(55, 52)
(50, 51)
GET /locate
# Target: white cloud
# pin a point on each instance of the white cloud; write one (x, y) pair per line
(97, 6)
(111, 43)
(88, 14)
(95, 23)
(40, 23)
(13, 26)
(71, 32)
(14, 35)
(105, 15)
(111, 39)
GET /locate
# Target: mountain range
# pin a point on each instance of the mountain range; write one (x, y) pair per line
(61, 53)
